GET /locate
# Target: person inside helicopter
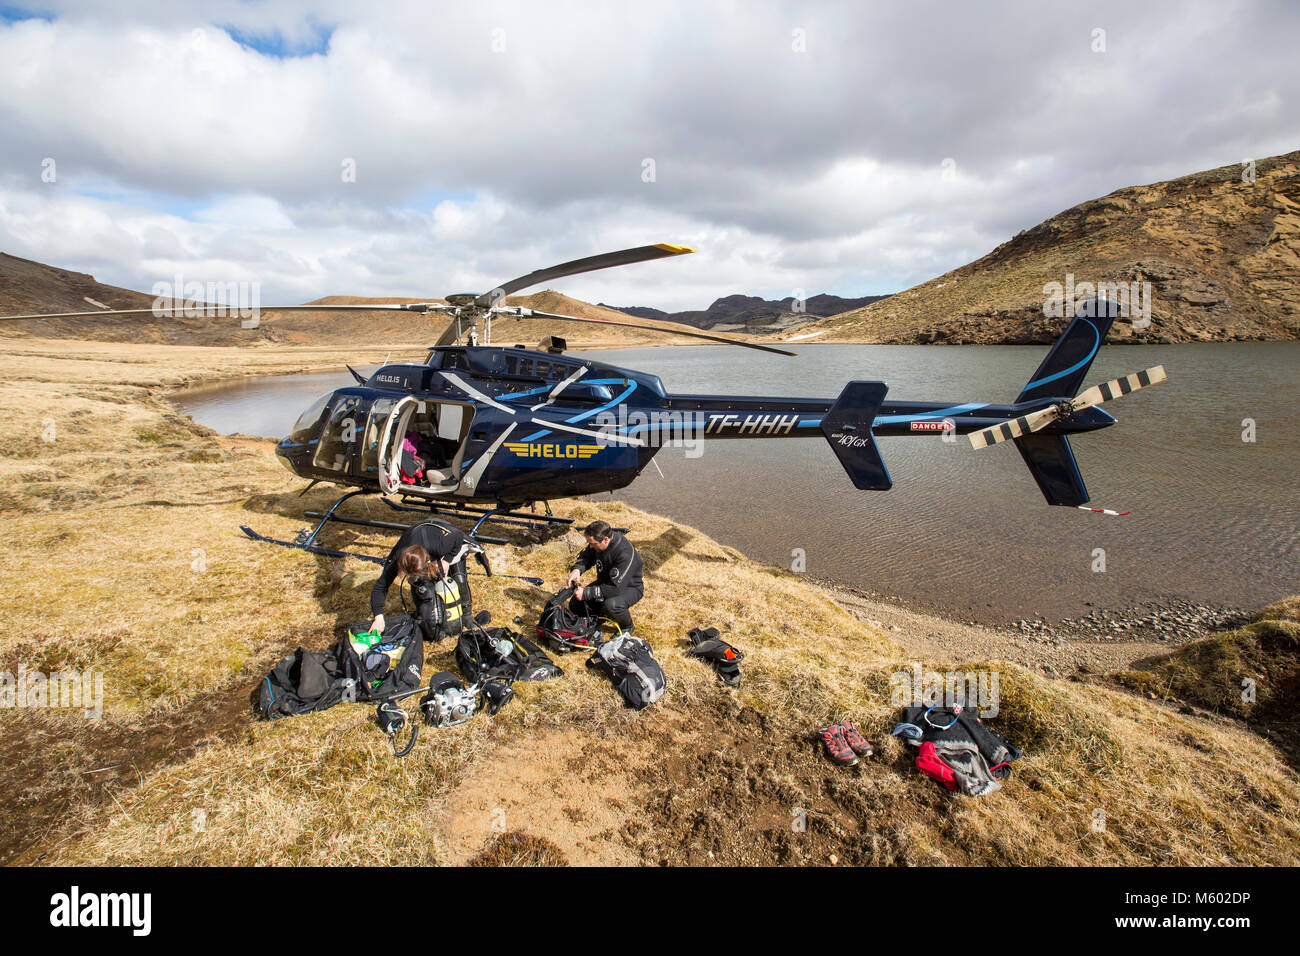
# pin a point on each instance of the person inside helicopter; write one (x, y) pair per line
(618, 583)
(422, 454)
(424, 554)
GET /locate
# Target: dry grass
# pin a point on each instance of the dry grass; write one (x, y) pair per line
(123, 556)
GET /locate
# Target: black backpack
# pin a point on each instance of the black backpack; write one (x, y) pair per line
(565, 630)
(497, 653)
(630, 664)
(308, 681)
(301, 683)
(707, 644)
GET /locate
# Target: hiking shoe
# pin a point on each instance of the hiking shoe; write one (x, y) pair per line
(837, 748)
(861, 746)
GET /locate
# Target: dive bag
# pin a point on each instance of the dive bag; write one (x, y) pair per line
(630, 664)
(497, 653)
(387, 663)
(362, 665)
(563, 629)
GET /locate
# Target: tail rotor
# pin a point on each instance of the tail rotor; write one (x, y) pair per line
(1035, 421)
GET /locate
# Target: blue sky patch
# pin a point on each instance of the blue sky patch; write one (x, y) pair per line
(275, 44)
(10, 14)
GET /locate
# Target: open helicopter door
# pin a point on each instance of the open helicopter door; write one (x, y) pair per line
(438, 430)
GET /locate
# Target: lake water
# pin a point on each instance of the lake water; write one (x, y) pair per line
(1215, 519)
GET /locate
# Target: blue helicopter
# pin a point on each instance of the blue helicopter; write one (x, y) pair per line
(480, 431)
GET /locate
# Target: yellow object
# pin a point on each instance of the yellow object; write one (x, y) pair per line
(675, 250)
(449, 593)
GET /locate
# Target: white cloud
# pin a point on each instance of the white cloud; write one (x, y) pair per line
(179, 148)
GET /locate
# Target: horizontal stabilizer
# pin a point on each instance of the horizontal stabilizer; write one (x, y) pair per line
(847, 426)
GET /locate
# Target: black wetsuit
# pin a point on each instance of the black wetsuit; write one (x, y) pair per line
(442, 541)
(618, 581)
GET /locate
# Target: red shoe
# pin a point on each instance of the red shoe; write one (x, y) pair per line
(861, 746)
(837, 748)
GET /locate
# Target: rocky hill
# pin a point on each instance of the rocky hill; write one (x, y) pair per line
(1221, 255)
(749, 313)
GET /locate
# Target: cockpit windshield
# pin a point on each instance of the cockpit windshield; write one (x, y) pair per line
(304, 429)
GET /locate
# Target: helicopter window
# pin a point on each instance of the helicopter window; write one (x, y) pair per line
(580, 394)
(339, 438)
(304, 429)
(525, 367)
(379, 413)
(450, 418)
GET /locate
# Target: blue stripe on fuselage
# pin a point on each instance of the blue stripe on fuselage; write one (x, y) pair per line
(595, 411)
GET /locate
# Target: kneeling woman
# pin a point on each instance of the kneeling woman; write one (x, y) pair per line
(414, 557)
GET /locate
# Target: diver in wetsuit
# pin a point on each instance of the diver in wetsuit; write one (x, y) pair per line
(618, 576)
(414, 557)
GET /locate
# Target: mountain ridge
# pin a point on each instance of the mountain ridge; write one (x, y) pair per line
(1219, 251)
(750, 313)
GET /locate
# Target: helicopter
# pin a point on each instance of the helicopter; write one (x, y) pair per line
(480, 431)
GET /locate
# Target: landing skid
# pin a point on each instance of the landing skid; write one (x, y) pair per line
(502, 515)
(306, 541)
(313, 548)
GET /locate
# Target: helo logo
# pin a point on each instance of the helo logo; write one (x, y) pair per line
(547, 450)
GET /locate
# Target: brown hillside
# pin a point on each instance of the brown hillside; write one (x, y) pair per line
(32, 287)
(1222, 257)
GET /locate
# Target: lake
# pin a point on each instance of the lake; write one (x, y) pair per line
(967, 532)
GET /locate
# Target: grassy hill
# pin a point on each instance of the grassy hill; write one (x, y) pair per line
(1222, 257)
(183, 621)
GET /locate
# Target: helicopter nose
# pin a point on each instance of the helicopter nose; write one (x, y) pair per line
(285, 451)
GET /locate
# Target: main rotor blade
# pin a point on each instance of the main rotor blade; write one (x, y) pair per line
(533, 313)
(211, 310)
(589, 264)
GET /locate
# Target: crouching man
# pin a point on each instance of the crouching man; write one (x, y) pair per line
(618, 576)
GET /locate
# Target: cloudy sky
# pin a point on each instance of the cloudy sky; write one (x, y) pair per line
(421, 148)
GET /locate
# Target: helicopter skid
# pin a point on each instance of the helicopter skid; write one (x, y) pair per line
(306, 541)
(312, 548)
(391, 525)
(522, 518)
